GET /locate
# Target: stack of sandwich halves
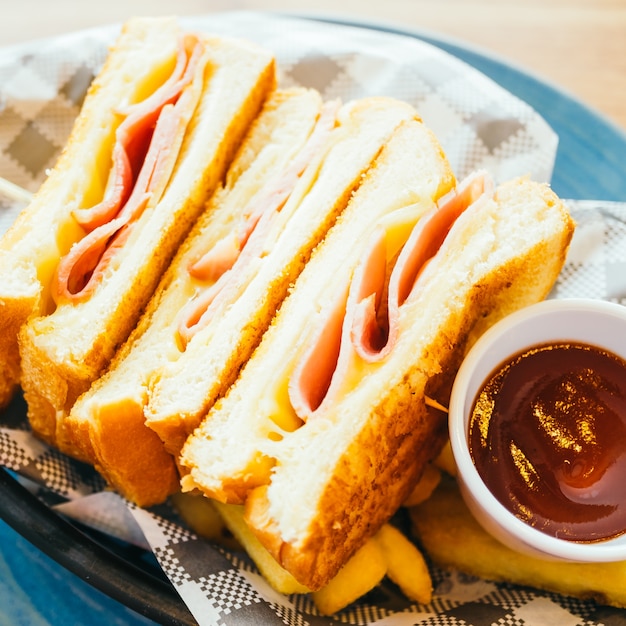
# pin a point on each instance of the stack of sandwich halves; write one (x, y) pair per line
(256, 294)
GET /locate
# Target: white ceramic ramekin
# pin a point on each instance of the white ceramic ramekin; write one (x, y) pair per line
(594, 322)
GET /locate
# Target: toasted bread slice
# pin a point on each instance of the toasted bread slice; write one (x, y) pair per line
(64, 346)
(32, 247)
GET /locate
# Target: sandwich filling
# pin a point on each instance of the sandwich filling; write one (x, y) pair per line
(146, 146)
(363, 323)
(224, 260)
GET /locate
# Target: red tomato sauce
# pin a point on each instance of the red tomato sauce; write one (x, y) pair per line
(548, 436)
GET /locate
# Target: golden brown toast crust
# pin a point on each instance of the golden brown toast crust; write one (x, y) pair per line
(366, 488)
(126, 437)
(13, 313)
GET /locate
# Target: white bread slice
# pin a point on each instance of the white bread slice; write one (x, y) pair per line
(30, 250)
(106, 424)
(314, 492)
(63, 350)
(187, 386)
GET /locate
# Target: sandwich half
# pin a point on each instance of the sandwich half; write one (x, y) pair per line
(157, 130)
(336, 414)
(106, 424)
(222, 324)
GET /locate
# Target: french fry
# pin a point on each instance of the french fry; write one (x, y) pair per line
(388, 553)
(360, 574)
(406, 566)
(202, 517)
(454, 539)
(425, 486)
(278, 577)
(445, 460)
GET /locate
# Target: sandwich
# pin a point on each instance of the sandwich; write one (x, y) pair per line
(158, 127)
(258, 296)
(335, 415)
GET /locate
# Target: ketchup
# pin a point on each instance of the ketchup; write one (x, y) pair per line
(548, 437)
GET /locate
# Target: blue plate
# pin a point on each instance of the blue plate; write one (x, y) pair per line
(52, 572)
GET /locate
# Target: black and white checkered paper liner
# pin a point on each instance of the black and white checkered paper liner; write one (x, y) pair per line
(480, 125)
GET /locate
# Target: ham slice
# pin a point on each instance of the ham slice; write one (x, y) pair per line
(230, 254)
(311, 381)
(421, 246)
(363, 326)
(143, 156)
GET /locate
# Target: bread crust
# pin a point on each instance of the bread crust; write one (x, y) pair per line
(366, 487)
(13, 312)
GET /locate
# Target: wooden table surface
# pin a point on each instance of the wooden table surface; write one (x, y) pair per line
(577, 45)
